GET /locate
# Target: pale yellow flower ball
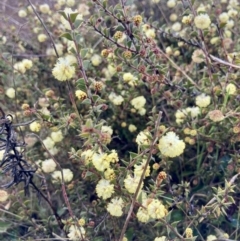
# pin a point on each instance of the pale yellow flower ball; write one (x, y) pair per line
(67, 175)
(227, 33)
(215, 40)
(168, 50)
(198, 56)
(27, 63)
(171, 3)
(118, 100)
(115, 99)
(142, 111)
(202, 21)
(203, 100)
(211, 237)
(231, 89)
(127, 77)
(131, 183)
(104, 189)
(3, 196)
(42, 37)
(76, 233)
(96, 60)
(156, 209)
(142, 215)
(223, 17)
(132, 128)
(35, 126)
(81, 95)
(232, 13)
(138, 169)
(19, 67)
(29, 8)
(48, 143)
(150, 33)
(44, 8)
(10, 92)
(57, 136)
(230, 24)
(233, 3)
(81, 222)
(22, 13)
(170, 145)
(63, 70)
(142, 138)
(173, 17)
(193, 111)
(48, 165)
(107, 129)
(187, 19)
(115, 207)
(176, 53)
(138, 102)
(163, 238)
(176, 27)
(87, 156)
(100, 161)
(201, 8)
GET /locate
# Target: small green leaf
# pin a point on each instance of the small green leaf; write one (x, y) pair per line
(81, 85)
(67, 36)
(84, 52)
(86, 64)
(73, 17)
(86, 102)
(4, 225)
(63, 14)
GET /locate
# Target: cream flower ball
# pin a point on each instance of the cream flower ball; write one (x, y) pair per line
(42, 37)
(3, 195)
(67, 175)
(163, 238)
(10, 92)
(115, 207)
(57, 136)
(96, 60)
(171, 3)
(104, 189)
(223, 17)
(202, 21)
(63, 69)
(231, 89)
(138, 102)
(198, 56)
(176, 27)
(35, 126)
(170, 145)
(48, 165)
(27, 63)
(76, 233)
(142, 138)
(22, 13)
(203, 100)
(44, 8)
(48, 142)
(131, 183)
